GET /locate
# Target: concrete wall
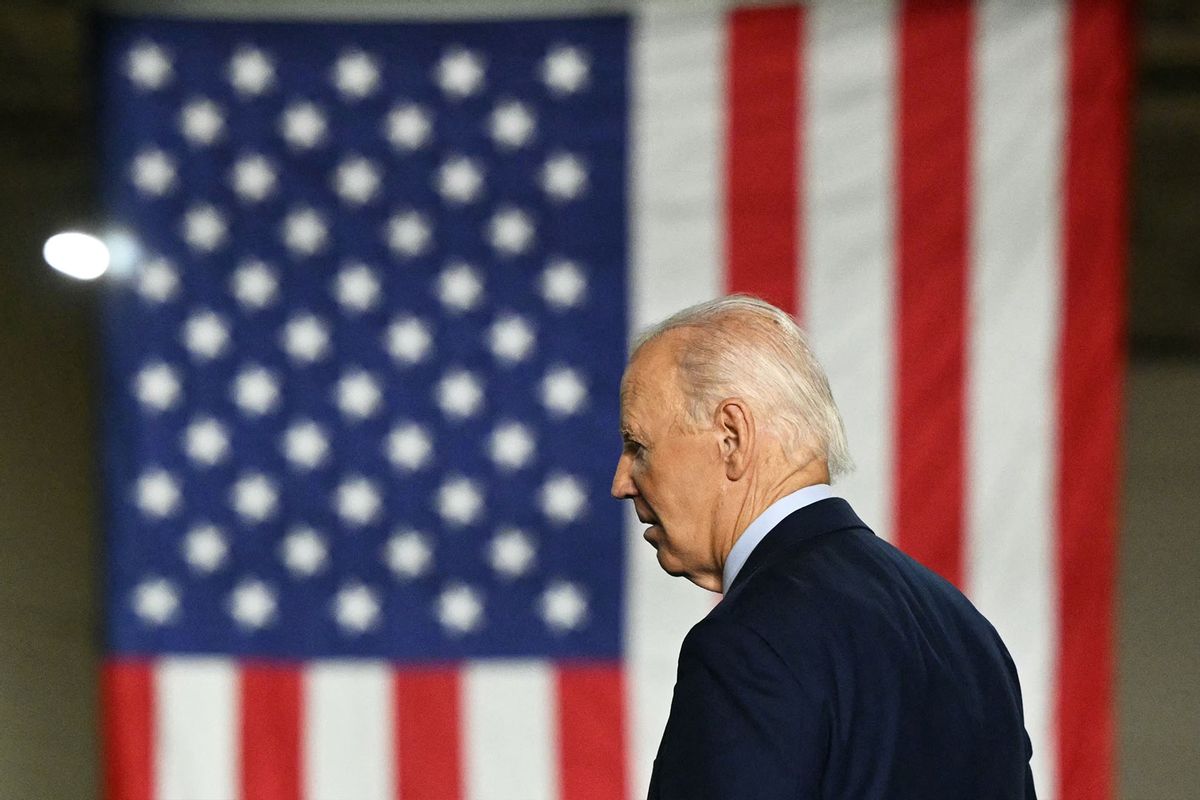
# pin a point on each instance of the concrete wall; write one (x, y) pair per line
(48, 501)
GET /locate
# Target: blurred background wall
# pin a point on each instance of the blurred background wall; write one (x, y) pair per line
(49, 524)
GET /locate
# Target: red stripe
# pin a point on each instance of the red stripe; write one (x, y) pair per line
(591, 732)
(127, 729)
(428, 748)
(934, 85)
(1091, 359)
(762, 172)
(271, 732)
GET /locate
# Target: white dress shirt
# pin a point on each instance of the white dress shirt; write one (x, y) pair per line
(763, 524)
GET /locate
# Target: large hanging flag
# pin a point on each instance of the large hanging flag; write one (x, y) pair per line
(362, 384)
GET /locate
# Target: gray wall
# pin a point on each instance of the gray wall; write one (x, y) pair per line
(47, 526)
(48, 504)
(1158, 682)
(1158, 678)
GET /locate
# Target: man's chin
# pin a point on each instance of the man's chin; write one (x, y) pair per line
(669, 564)
(666, 559)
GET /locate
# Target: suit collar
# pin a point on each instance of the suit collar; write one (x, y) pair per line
(824, 516)
(764, 522)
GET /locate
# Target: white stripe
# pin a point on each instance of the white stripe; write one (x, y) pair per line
(1014, 311)
(509, 711)
(677, 259)
(677, 162)
(848, 284)
(348, 741)
(196, 752)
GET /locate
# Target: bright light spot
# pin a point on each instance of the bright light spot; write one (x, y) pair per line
(78, 255)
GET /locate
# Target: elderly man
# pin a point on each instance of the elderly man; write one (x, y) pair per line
(834, 666)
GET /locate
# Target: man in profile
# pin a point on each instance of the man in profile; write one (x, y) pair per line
(834, 666)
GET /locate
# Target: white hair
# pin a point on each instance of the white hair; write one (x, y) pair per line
(745, 347)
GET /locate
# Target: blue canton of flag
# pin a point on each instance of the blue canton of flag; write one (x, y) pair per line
(363, 384)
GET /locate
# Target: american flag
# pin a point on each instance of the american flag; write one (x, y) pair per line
(362, 379)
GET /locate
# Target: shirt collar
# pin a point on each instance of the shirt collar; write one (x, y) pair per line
(763, 524)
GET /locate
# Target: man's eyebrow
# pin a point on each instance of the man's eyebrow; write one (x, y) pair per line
(629, 433)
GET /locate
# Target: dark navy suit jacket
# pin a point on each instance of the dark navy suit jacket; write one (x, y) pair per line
(836, 667)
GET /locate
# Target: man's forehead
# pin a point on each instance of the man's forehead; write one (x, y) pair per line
(650, 376)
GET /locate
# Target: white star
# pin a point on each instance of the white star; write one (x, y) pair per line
(356, 608)
(204, 228)
(250, 71)
(459, 287)
(356, 288)
(511, 338)
(408, 233)
(565, 70)
(255, 390)
(303, 125)
(148, 66)
(157, 494)
(304, 552)
(153, 172)
(205, 548)
(510, 231)
(562, 284)
(252, 178)
(511, 445)
(205, 334)
(356, 180)
(459, 609)
(358, 394)
(201, 121)
(125, 251)
(563, 391)
(305, 338)
(511, 124)
(408, 340)
(252, 604)
(254, 284)
(408, 126)
(511, 552)
(254, 497)
(562, 498)
(408, 554)
(305, 445)
(158, 281)
(156, 601)
(460, 72)
(357, 501)
(356, 74)
(206, 441)
(459, 180)
(459, 394)
(459, 502)
(563, 177)
(409, 446)
(157, 386)
(304, 231)
(563, 607)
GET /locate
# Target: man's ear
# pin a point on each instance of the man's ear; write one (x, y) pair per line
(735, 427)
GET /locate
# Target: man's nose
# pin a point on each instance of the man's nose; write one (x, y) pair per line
(622, 483)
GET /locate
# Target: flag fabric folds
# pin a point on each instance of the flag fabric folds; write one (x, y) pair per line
(362, 377)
